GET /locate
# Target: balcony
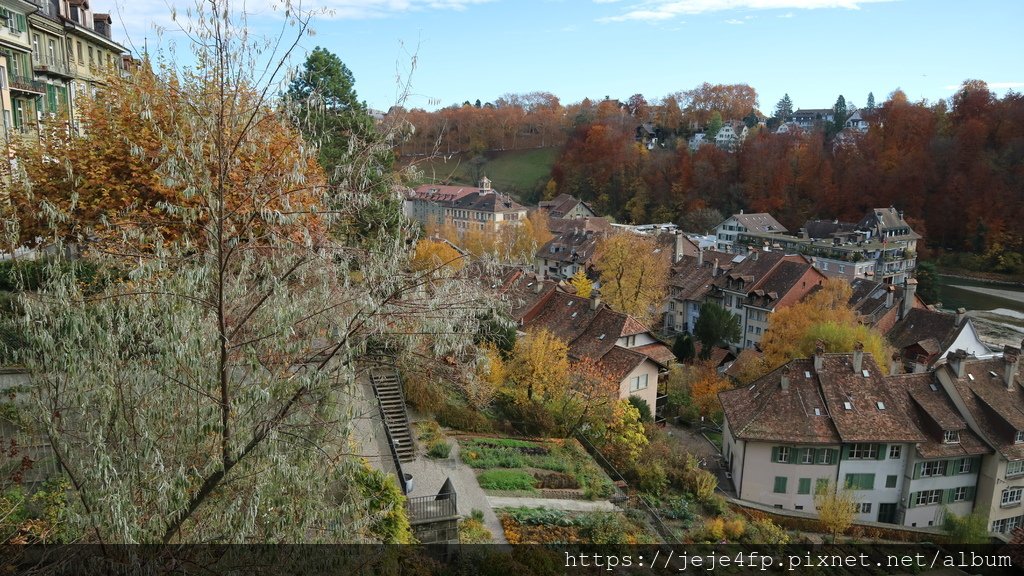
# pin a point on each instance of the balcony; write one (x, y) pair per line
(24, 84)
(52, 65)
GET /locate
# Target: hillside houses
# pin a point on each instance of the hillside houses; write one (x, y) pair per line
(912, 447)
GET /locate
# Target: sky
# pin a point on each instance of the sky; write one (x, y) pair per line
(451, 51)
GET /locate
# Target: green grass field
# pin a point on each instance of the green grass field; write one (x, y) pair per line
(520, 173)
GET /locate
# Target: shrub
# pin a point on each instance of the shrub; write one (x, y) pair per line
(506, 480)
(714, 529)
(703, 484)
(735, 528)
(473, 531)
(464, 418)
(651, 477)
(764, 531)
(541, 516)
(605, 528)
(439, 449)
(643, 407)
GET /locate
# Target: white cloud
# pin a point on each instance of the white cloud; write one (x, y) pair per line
(734, 21)
(658, 10)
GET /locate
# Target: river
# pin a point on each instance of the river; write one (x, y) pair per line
(997, 309)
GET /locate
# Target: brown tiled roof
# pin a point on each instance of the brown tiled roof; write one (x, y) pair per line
(746, 356)
(691, 282)
(719, 355)
(932, 331)
(763, 411)
(574, 246)
(619, 362)
(658, 352)
(519, 289)
(933, 412)
(866, 420)
(998, 412)
(561, 205)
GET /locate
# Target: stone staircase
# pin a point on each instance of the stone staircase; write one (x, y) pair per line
(388, 388)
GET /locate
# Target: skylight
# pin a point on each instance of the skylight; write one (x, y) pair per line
(807, 374)
(933, 387)
(865, 373)
(881, 405)
(817, 411)
(601, 337)
(848, 405)
(569, 303)
(971, 377)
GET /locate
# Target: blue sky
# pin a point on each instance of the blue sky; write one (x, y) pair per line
(813, 50)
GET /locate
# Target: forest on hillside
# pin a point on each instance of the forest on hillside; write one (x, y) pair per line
(955, 168)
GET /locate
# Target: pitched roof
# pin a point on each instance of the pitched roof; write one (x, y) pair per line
(934, 413)
(931, 330)
(658, 352)
(759, 222)
(888, 219)
(595, 224)
(574, 246)
(764, 411)
(561, 205)
(832, 405)
(688, 281)
(466, 198)
(997, 411)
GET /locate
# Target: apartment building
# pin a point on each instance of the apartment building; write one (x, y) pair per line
(464, 208)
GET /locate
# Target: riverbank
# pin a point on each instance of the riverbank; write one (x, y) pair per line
(985, 277)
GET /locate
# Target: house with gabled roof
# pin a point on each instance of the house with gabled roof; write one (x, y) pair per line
(941, 471)
(727, 232)
(619, 345)
(566, 207)
(464, 208)
(688, 285)
(989, 395)
(832, 418)
(924, 336)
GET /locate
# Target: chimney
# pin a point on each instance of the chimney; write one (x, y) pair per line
(819, 356)
(538, 286)
(714, 271)
(700, 257)
(957, 361)
(909, 289)
(595, 302)
(894, 364)
(1010, 359)
(890, 290)
(961, 313)
(679, 248)
(784, 382)
(858, 357)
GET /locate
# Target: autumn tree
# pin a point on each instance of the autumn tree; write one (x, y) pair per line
(621, 437)
(715, 326)
(203, 391)
(704, 385)
(836, 508)
(794, 331)
(539, 365)
(584, 287)
(436, 256)
(634, 274)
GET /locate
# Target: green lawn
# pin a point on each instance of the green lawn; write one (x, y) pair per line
(521, 173)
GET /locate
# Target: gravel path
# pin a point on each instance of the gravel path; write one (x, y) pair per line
(554, 504)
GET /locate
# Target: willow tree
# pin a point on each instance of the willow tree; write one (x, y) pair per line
(203, 390)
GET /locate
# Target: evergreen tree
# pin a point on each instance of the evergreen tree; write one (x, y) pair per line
(784, 109)
(683, 348)
(839, 115)
(871, 102)
(715, 326)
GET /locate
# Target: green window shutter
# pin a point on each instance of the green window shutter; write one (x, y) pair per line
(881, 452)
(775, 453)
(846, 452)
(780, 485)
(917, 471)
(819, 455)
(913, 500)
(21, 22)
(970, 493)
(890, 481)
(869, 481)
(804, 486)
(950, 467)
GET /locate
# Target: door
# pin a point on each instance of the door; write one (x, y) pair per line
(887, 513)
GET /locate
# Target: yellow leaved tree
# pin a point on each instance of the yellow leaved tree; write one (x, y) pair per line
(539, 365)
(634, 274)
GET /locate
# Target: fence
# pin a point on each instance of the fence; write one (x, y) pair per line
(427, 508)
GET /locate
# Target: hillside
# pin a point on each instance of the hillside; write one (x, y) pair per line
(521, 173)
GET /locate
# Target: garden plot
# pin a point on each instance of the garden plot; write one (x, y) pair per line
(536, 468)
(544, 526)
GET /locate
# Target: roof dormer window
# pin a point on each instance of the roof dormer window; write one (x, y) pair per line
(951, 437)
(1019, 438)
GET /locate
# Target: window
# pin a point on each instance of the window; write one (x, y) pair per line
(842, 270)
(803, 486)
(51, 49)
(950, 437)
(807, 456)
(780, 454)
(863, 452)
(1015, 468)
(895, 451)
(965, 466)
(933, 468)
(79, 47)
(960, 494)
(890, 481)
(1007, 525)
(860, 481)
(865, 508)
(826, 456)
(780, 485)
(1011, 497)
(926, 497)
(1019, 438)
(35, 46)
(638, 383)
